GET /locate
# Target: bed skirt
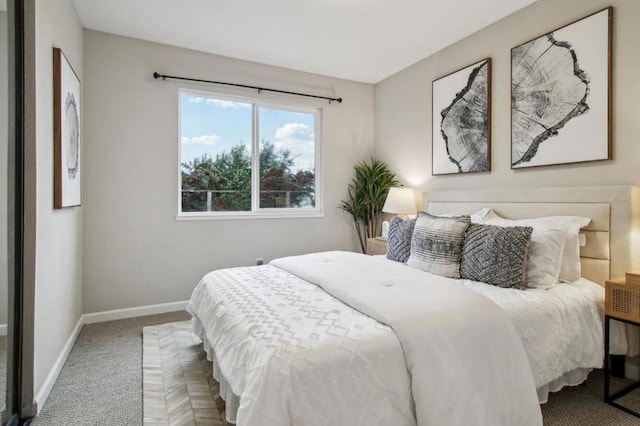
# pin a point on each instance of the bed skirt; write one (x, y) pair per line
(232, 401)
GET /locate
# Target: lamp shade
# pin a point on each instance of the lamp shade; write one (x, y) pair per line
(400, 201)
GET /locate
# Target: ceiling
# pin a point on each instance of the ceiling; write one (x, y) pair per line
(361, 40)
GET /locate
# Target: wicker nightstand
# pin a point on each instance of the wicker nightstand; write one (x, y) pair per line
(376, 246)
(622, 303)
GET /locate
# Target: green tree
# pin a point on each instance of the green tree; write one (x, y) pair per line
(279, 186)
(228, 177)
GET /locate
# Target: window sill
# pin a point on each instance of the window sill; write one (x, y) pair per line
(186, 217)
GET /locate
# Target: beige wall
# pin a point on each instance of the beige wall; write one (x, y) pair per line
(58, 290)
(4, 119)
(403, 103)
(135, 252)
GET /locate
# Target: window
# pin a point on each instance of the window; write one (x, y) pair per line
(241, 157)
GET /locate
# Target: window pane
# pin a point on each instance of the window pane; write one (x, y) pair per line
(287, 159)
(215, 143)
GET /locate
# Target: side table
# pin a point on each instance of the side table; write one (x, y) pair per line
(622, 303)
(376, 246)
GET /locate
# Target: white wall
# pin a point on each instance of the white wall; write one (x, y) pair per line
(135, 252)
(3, 169)
(403, 103)
(58, 290)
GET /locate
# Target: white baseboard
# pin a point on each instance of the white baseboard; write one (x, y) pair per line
(139, 311)
(93, 318)
(3, 329)
(45, 390)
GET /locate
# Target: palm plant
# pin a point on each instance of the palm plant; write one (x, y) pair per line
(367, 193)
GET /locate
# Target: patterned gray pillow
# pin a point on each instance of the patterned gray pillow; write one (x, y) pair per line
(436, 244)
(496, 255)
(399, 239)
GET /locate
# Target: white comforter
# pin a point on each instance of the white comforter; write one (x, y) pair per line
(297, 356)
(450, 336)
(320, 362)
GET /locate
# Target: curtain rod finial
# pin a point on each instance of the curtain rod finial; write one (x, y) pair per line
(156, 75)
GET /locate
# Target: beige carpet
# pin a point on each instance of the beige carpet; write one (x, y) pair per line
(176, 390)
(178, 385)
(101, 382)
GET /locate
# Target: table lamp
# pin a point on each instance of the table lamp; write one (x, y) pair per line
(400, 201)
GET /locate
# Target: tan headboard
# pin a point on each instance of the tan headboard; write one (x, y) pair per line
(612, 237)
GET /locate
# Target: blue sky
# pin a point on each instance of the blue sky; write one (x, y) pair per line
(212, 126)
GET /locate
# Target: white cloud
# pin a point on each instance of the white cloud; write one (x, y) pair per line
(294, 131)
(218, 102)
(211, 139)
(299, 139)
(228, 104)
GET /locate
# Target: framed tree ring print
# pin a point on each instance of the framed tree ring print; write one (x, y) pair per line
(561, 95)
(66, 133)
(461, 130)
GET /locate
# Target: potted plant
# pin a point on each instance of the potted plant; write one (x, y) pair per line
(367, 193)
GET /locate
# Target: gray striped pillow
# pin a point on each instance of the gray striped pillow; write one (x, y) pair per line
(496, 255)
(436, 244)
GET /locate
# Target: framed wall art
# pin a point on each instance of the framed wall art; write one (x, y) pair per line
(461, 129)
(66, 133)
(561, 95)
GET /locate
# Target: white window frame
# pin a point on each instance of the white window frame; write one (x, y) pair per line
(256, 212)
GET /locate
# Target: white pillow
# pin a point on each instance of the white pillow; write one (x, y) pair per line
(568, 260)
(479, 216)
(545, 257)
(475, 217)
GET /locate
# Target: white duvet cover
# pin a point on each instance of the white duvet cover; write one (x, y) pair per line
(297, 356)
(561, 329)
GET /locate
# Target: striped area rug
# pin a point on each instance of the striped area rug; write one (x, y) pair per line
(178, 385)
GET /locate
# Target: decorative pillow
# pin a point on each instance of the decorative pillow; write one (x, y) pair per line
(570, 225)
(496, 255)
(436, 244)
(545, 257)
(545, 251)
(399, 239)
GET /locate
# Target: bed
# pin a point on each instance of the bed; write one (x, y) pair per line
(343, 338)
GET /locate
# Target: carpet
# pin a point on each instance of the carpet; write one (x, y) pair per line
(584, 405)
(101, 382)
(178, 385)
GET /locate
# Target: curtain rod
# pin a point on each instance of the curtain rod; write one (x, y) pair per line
(259, 89)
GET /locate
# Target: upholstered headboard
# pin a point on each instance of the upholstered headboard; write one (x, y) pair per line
(612, 239)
